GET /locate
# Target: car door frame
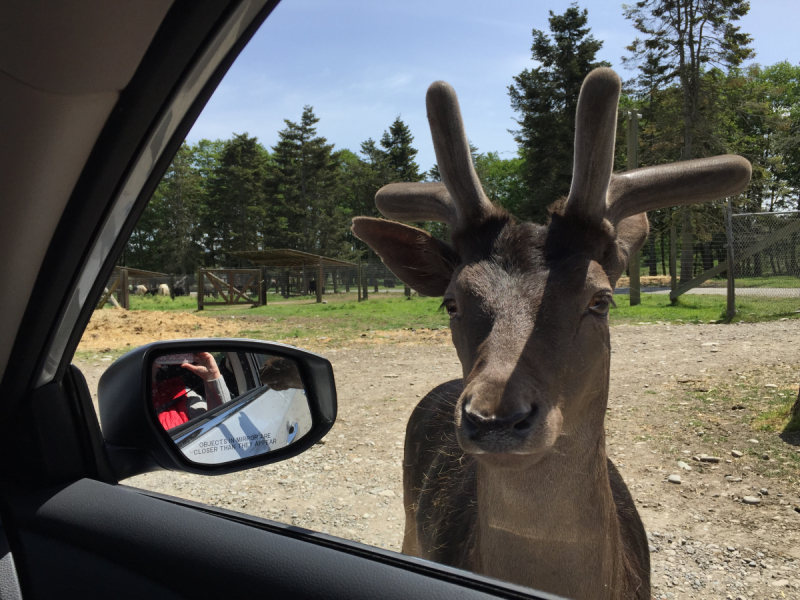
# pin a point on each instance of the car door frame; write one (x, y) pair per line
(71, 526)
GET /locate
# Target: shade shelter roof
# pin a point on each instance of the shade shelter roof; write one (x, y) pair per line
(138, 273)
(288, 258)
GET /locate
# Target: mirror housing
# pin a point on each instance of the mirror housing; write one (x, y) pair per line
(136, 442)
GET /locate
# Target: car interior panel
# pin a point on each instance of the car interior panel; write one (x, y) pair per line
(95, 99)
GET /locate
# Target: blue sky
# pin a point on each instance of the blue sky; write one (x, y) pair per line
(362, 63)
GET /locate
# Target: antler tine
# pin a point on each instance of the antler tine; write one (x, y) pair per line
(416, 202)
(453, 155)
(595, 130)
(677, 184)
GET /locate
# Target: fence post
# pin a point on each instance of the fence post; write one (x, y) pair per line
(635, 284)
(124, 293)
(358, 278)
(633, 162)
(262, 290)
(364, 282)
(200, 289)
(407, 291)
(319, 282)
(673, 261)
(731, 307)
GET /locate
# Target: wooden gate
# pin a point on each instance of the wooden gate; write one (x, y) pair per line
(232, 286)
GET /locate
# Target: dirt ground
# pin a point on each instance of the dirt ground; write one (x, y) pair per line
(679, 394)
(113, 329)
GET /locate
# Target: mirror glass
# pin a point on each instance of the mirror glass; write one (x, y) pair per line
(220, 407)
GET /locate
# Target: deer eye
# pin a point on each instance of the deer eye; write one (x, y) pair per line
(600, 304)
(450, 306)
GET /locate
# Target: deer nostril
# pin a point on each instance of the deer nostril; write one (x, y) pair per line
(525, 424)
(520, 422)
(471, 420)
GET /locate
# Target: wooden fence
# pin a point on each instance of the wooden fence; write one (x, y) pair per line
(247, 290)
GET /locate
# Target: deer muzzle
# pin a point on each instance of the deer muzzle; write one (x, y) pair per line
(495, 417)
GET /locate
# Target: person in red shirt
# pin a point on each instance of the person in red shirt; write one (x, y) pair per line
(176, 388)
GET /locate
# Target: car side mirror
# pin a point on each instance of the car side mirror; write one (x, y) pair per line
(213, 406)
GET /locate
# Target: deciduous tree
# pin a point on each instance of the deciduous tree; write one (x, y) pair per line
(683, 39)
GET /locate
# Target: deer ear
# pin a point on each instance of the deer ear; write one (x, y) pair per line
(631, 236)
(415, 256)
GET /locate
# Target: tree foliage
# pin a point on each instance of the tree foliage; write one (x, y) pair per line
(695, 97)
(546, 98)
(684, 38)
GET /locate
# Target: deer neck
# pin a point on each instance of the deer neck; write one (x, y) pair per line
(552, 526)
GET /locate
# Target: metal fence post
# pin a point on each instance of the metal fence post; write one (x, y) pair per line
(633, 162)
(364, 282)
(358, 278)
(200, 289)
(731, 307)
(673, 261)
(319, 282)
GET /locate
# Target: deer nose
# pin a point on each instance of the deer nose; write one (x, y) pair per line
(519, 423)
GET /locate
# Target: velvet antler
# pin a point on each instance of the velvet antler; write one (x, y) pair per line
(677, 184)
(595, 130)
(596, 193)
(459, 200)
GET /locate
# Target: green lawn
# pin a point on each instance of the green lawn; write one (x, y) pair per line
(342, 317)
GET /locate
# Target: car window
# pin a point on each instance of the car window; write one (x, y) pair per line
(248, 235)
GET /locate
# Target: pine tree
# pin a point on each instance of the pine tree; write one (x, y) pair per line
(546, 98)
(236, 203)
(178, 247)
(306, 179)
(166, 237)
(398, 153)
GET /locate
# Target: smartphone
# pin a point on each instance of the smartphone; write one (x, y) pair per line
(175, 359)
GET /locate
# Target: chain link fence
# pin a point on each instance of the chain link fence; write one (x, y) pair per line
(766, 257)
(708, 249)
(766, 253)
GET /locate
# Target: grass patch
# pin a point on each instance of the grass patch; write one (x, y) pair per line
(777, 415)
(698, 308)
(342, 318)
(657, 308)
(182, 303)
(338, 321)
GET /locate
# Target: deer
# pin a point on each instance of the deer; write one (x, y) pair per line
(505, 470)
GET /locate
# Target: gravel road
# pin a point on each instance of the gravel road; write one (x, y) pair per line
(684, 406)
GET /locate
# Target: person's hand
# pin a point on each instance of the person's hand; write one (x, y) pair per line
(204, 366)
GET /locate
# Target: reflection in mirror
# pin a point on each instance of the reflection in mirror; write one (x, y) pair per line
(220, 407)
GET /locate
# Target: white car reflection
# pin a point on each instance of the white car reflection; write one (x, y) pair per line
(261, 420)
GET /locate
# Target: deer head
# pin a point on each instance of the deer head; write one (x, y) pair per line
(529, 303)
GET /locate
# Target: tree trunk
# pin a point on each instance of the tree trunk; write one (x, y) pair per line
(687, 249)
